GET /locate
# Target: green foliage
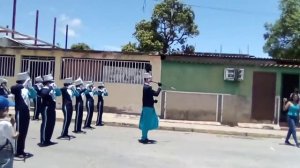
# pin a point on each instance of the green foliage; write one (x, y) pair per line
(185, 49)
(283, 37)
(147, 37)
(172, 23)
(80, 46)
(130, 47)
(175, 23)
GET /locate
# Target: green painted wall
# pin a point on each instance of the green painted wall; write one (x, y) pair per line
(209, 78)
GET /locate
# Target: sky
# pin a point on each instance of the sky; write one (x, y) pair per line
(227, 26)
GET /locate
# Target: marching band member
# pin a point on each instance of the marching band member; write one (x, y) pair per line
(79, 105)
(38, 100)
(148, 119)
(23, 92)
(89, 94)
(101, 92)
(48, 93)
(3, 88)
(68, 92)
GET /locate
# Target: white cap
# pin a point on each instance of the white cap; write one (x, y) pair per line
(38, 79)
(23, 76)
(89, 83)
(48, 78)
(147, 75)
(78, 81)
(2, 80)
(101, 84)
(68, 80)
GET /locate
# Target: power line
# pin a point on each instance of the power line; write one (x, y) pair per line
(223, 9)
(231, 10)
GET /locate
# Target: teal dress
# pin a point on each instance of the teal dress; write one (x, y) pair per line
(149, 119)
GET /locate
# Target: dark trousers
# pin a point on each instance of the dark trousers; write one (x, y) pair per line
(67, 109)
(100, 112)
(78, 117)
(48, 123)
(22, 123)
(90, 111)
(37, 107)
(292, 121)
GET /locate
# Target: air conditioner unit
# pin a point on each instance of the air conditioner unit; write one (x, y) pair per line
(233, 74)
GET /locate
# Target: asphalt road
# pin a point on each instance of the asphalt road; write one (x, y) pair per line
(117, 147)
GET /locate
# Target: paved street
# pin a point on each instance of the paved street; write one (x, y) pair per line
(117, 147)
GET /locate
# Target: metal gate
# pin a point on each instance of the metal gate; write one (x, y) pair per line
(38, 66)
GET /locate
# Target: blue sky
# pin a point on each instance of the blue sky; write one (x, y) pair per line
(236, 25)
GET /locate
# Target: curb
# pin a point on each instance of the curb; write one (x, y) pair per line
(196, 130)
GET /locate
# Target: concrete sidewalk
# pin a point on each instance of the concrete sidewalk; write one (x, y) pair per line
(243, 129)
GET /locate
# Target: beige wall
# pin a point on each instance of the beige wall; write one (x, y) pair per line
(125, 98)
(206, 107)
(236, 109)
(190, 106)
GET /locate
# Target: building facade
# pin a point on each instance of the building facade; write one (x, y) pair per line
(227, 88)
(121, 73)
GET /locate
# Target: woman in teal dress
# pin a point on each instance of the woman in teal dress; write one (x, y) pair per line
(149, 119)
(293, 108)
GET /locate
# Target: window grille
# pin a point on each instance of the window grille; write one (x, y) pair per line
(38, 66)
(7, 65)
(110, 71)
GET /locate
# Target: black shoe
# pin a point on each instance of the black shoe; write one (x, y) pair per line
(42, 144)
(100, 124)
(23, 155)
(51, 143)
(64, 137)
(288, 143)
(88, 127)
(143, 141)
(19, 155)
(79, 132)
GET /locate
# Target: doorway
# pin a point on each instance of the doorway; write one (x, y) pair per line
(289, 83)
(263, 96)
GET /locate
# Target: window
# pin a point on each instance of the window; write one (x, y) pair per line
(7, 65)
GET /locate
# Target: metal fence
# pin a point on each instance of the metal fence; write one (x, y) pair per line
(111, 71)
(38, 66)
(7, 65)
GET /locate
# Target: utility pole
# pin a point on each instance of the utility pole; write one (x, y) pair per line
(14, 18)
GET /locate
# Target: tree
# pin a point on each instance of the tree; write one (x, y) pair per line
(172, 23)
(130, 47)
(283, 37)
(80, 46)
(185, 49)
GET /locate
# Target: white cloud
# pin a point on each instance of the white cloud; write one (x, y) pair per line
(74, 24)
(71, 32)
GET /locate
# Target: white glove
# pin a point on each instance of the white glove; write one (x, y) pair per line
(94, 89)
(71, 87)
(27, 83)
(40, 86)
(53, 85)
